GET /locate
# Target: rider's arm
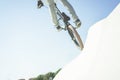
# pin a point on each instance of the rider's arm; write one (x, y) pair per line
(40, 4)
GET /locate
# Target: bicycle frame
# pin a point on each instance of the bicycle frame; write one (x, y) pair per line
(63, 16)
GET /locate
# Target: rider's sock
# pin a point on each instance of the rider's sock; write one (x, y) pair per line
(59, 28)
(78, 23)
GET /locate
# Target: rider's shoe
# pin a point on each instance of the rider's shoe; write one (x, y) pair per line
(78, 23)
(59, 28)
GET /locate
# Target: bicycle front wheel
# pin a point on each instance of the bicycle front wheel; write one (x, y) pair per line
(75, 37)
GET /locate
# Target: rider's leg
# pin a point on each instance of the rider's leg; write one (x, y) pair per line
(72, 12)
(51, 7)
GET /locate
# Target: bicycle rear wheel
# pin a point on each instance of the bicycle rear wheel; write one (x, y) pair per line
(75, 37)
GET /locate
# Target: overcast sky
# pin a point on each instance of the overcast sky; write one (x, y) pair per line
(29, 43)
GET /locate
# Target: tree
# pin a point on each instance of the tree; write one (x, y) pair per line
(47, 76)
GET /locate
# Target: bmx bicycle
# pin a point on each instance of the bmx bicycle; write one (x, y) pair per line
(69, 28)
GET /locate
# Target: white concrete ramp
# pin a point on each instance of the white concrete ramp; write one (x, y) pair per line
(100, 59)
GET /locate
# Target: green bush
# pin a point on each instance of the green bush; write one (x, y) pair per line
(48, 76)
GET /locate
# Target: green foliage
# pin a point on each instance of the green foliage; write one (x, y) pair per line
(46, 76)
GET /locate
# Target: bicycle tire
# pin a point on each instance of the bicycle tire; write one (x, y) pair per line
(75, 37)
